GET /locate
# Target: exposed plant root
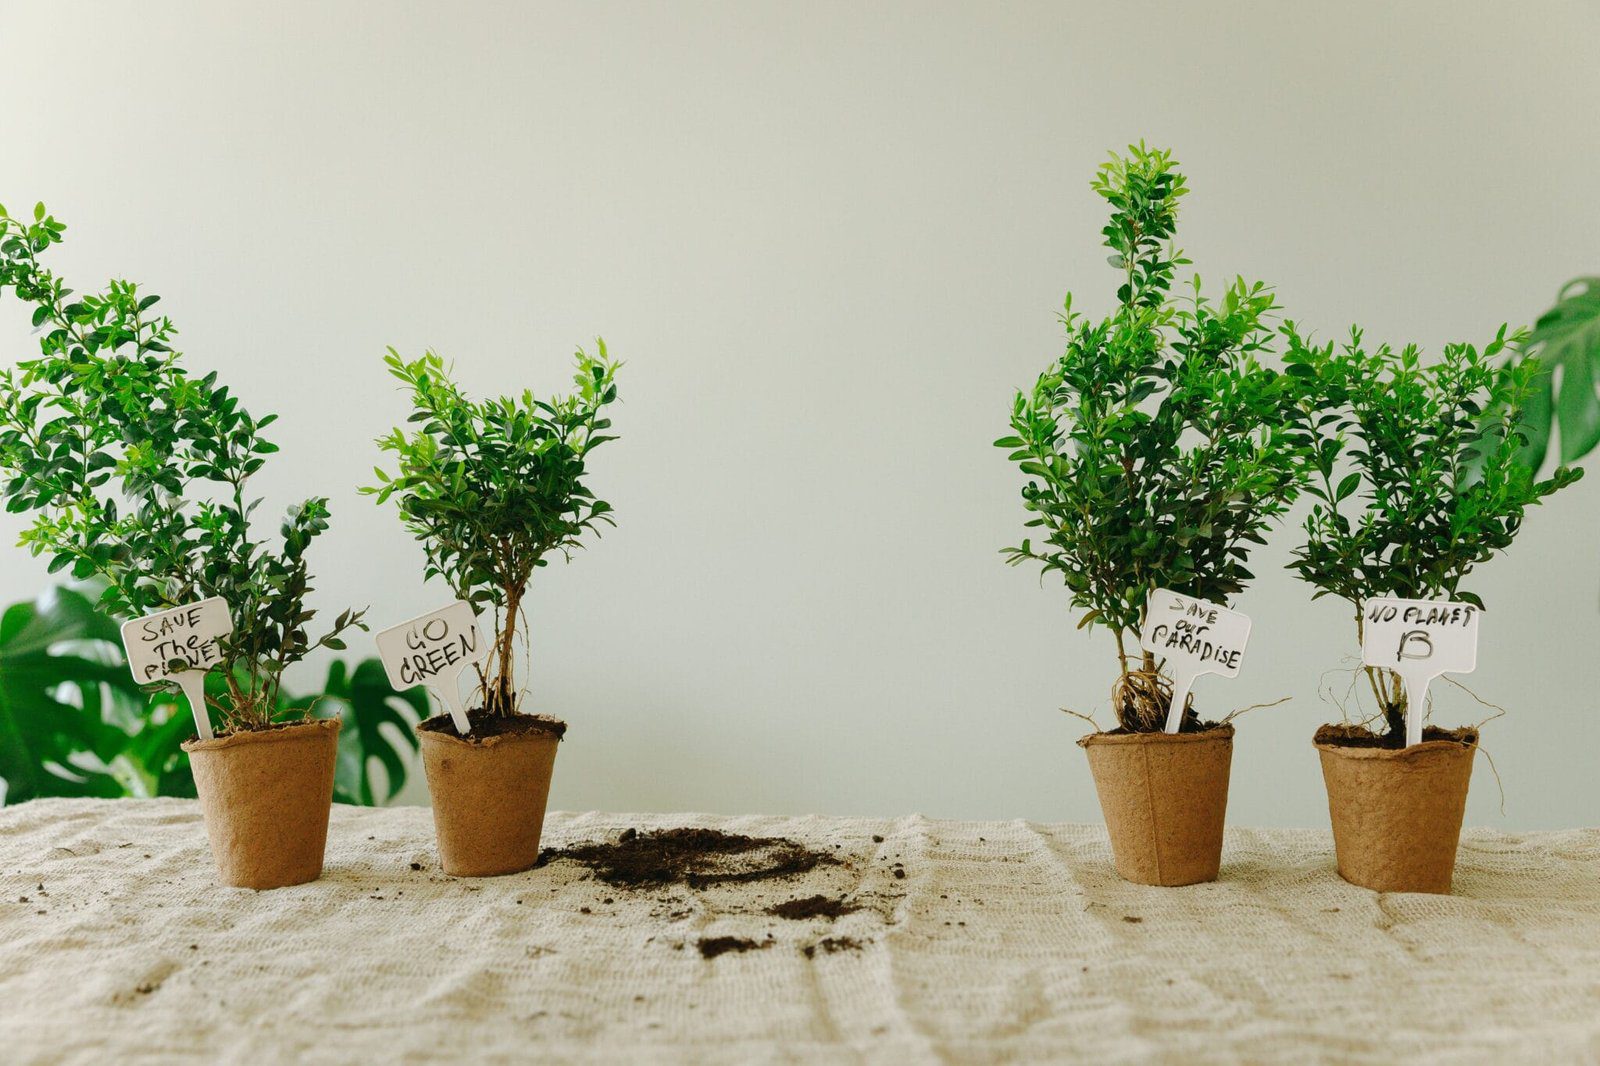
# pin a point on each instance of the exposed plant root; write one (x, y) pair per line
(1141, 699)
(1087, 718)
(1499, 711)
(1499, 784)
(1253, 707)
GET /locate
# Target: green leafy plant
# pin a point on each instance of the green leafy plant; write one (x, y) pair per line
(1417, 477)
(1566, 339)
(1158, 448)
(492, 488)
(74, 723)
(137, 472)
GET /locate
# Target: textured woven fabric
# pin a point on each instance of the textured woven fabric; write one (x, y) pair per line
(1004, 941)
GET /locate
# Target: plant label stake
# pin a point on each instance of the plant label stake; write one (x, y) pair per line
(1419, 640)
(180, 645)
(433, 649)
(1195, 637)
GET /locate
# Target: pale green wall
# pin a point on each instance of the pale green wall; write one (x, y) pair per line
(828, 240)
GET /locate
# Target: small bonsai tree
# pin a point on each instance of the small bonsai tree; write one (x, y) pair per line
(493, 488)
(1158, 448)
(1417, 474)
(137, 472)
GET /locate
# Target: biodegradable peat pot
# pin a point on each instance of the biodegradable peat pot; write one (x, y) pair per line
(1164, 797)
(489, 791)
(1396, 811)
(266, 796)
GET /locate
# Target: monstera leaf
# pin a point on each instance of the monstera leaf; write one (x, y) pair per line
(63, 695)
(1566, 337)
(73, 723)
(369, 703)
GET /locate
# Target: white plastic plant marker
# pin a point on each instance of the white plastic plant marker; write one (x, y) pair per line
(180, 645)
(1195, 637)
(433, 649)
(1419, 640)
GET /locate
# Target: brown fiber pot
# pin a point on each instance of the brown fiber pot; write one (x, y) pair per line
(1397, 811)
(488, 798)
(1165, 798)
(266, 797)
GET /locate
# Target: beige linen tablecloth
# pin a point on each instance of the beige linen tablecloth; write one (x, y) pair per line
(1002, 941)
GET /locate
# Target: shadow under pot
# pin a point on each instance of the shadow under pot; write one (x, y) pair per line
(1396, 812)
(489, 789)
(1165, 799)
(266, 795)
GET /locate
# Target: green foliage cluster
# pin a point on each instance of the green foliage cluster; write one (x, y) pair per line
(491, 488)
(1418, 476)
(74, 723)
(1158, 448)
(137, 472)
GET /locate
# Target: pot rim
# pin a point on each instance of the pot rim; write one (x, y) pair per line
(1464, 746)
(281, 733)
(1217, 734)
(450, 736)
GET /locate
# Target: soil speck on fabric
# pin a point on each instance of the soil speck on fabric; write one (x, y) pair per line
(693, 857)
(711, 947)
(831, 945)
(1132, 919)
(813, 907)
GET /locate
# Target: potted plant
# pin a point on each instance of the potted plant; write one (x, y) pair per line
(1417, 480)
(493, 490)
(137, 472)
(1158, 450)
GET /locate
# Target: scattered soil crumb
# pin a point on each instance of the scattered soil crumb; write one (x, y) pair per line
(813, 907)
(1132, 919)
(711, 947)
(876, 839)
(418, 865)
(694, 857)
(831, 945)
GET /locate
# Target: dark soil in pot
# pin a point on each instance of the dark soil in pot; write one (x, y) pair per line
(266, 796)
(1165, 800)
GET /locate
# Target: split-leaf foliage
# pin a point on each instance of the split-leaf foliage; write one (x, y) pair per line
(493, 488)
(73, 722)
(1158, 447)
(137, 472)
(1418, 476)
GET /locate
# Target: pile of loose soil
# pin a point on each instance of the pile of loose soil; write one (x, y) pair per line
(711, 947)
(486, 725)
(813, 907)
(693, 857)
(1358, 736)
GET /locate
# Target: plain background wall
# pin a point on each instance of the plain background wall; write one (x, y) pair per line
(829, 240)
